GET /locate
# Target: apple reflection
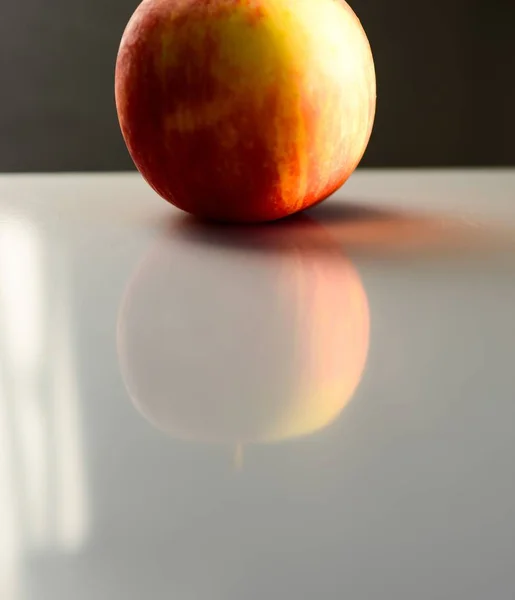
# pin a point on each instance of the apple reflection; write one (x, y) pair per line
(243, 334)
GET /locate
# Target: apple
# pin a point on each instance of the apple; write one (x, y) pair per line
(245, 110)
(246, 335)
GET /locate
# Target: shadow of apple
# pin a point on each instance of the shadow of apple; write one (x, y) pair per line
(243, 334)
(368, 229)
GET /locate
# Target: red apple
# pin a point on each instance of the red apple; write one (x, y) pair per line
(245, 110)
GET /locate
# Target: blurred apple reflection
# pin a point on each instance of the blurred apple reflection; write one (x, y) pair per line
(243, 335)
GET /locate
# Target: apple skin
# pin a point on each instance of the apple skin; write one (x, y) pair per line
(245, 335)
(245, 110)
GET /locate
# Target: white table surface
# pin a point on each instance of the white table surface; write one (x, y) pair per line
(322, 408)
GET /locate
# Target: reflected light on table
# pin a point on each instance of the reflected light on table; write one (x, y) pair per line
(42, 470)
(21, 294)
(10, 542)
(72, 507)
(243, 335)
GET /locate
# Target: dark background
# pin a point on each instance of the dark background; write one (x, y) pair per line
(446, 83)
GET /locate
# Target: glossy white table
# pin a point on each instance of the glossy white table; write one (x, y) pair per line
(321, 408)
